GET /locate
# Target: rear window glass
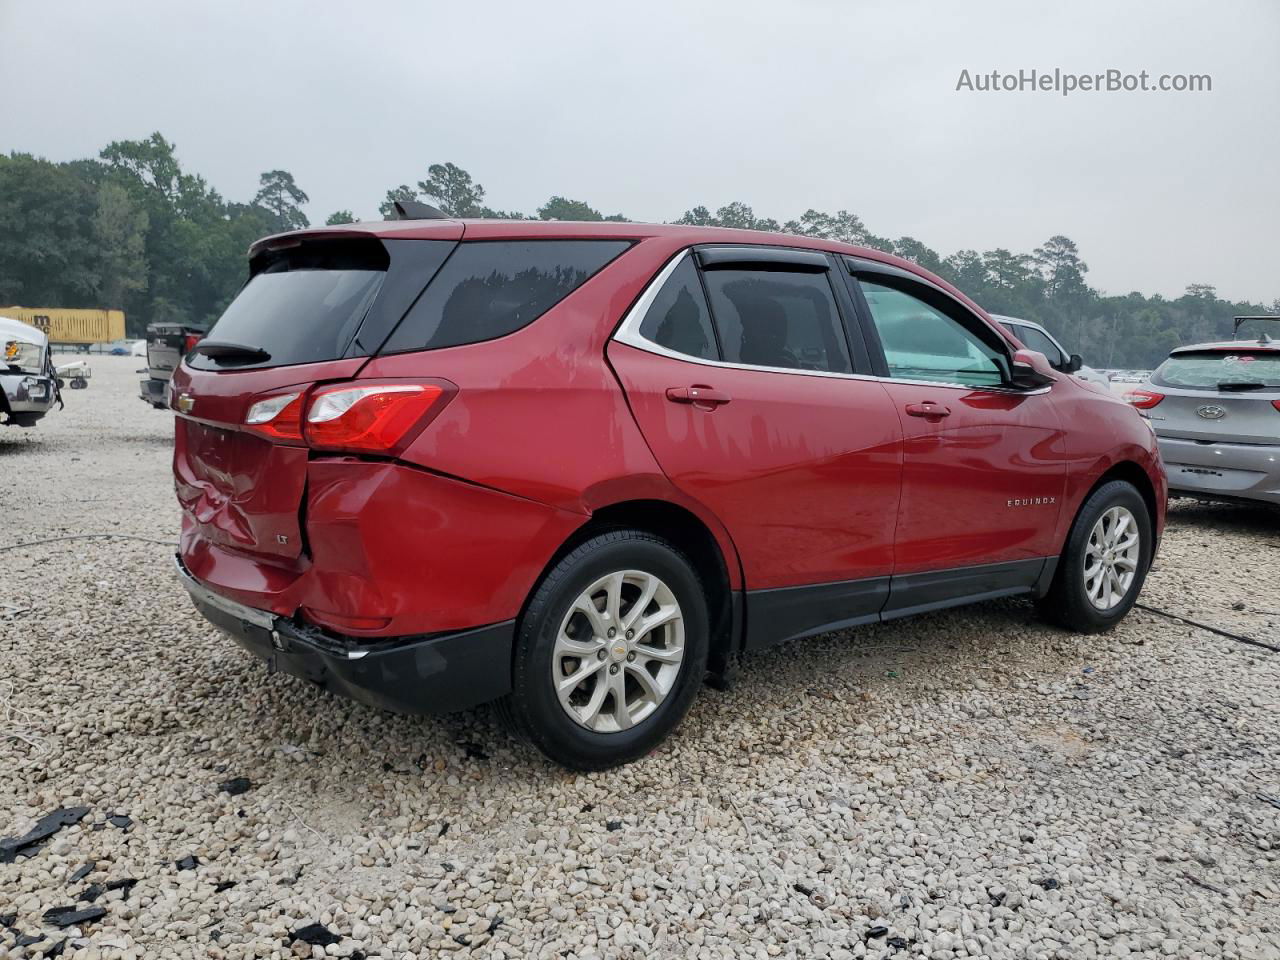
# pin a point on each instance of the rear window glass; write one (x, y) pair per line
(302, 305)
(678, 318)
(778, 319)
(1211, 369)
(487, 289)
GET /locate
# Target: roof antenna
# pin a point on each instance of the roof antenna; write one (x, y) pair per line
(413, 210)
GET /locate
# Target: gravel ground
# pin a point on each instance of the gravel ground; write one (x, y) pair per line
(971, 783)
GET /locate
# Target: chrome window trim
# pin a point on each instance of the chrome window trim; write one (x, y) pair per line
(628, 332)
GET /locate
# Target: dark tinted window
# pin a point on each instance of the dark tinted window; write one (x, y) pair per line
(778, 319)
(678, 318)
(489, 289)
(302, 305)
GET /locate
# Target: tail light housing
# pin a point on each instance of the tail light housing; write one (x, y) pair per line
(1143, 399)
(1276, 404)
(370, 417)
(189, 342)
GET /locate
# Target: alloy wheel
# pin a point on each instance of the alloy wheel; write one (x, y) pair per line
(1111, 558)
(618, 651)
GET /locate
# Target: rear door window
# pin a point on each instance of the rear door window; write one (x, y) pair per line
(678, 318)
(778, 318)
(487, 289)
(302, 305)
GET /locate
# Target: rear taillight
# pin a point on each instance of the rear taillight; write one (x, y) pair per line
(368, 417)
(1276, 404)
(277, 418)
(1143, 399)
(189, 342)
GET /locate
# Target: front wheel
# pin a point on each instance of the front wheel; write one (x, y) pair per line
(1105, 561)
(610, 651)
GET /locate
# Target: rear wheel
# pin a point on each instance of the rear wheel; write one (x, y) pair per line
(1105, 561)
(610, 652)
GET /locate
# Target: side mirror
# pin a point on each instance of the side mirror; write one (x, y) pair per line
(1031, 370)
(1074, 363)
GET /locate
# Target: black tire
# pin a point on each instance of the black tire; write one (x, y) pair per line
(1067, 603)
(533, 710)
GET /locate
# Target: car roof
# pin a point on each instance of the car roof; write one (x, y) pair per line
(16, 328)
(679, 235)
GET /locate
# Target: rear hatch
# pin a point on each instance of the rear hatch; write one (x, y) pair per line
(1218, 395)
(315, 308)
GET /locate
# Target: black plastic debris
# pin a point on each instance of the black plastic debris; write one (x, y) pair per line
(7, 919)
(801, 889)
(120, 820)
(187, 863)
(448, 867)
(72, 916)
(444, 828)
(613, 825)
(223, 885)
(56, 949)
(236, 786)
(474, 752)
(463, 939)
(898, 943)
(1268, 798)
(124, 883)
(45, 828)
(91, 893)
(875, 933)
(997, 899)
(316, 934)
(1049, 883)
(28, 939)
(82, 872)
(357, 955)
(588, 807)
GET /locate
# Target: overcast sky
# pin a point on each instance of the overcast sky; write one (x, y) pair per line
(651, 108)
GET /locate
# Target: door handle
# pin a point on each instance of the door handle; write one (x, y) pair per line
(929, 410)
(698, 395)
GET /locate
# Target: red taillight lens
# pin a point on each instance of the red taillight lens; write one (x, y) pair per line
(1143, 399)
(189, 342)
(1276, 404)
(277, 417)
(367, 418)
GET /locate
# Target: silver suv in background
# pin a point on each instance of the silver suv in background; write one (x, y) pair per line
(1035, 337)
(1215, 409)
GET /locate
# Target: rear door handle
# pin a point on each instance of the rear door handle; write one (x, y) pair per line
(929, 410)
(699, 395)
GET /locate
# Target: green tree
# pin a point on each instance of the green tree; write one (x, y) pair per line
(339, 216)
(120, 236)
(452, 189)
(736, 215)
(282, 197)
(1061, 267)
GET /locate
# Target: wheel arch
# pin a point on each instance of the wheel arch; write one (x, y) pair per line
(1133, 474)
(685, 529)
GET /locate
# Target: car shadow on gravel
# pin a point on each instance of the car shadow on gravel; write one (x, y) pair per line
(1246, 518)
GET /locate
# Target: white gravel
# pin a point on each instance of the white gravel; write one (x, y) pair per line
(969, 784)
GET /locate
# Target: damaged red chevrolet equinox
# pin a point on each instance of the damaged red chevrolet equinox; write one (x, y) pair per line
(579, 468)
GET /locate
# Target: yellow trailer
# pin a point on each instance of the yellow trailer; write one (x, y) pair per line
(63, 325)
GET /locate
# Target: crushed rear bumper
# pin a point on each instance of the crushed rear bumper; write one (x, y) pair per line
(1227, 471)
(27, 397)
(425, 674)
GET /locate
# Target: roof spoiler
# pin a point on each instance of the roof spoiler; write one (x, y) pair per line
(414, 210)
(1239, 321)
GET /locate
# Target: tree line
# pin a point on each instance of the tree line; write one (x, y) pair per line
(131, 229)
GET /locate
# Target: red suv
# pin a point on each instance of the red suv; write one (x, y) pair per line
(578, 467)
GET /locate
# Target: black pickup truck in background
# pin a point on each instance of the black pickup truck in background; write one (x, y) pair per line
(167, 344)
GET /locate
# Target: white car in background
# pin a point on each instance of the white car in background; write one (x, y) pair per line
(1035, 337)
(28, 383)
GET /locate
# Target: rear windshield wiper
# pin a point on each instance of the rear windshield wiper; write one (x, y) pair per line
(222, 350)
(1242, 385)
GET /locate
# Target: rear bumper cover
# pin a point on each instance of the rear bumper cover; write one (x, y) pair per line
(27, 397)
(432, 674)
(154, 391)
(1233, 471)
